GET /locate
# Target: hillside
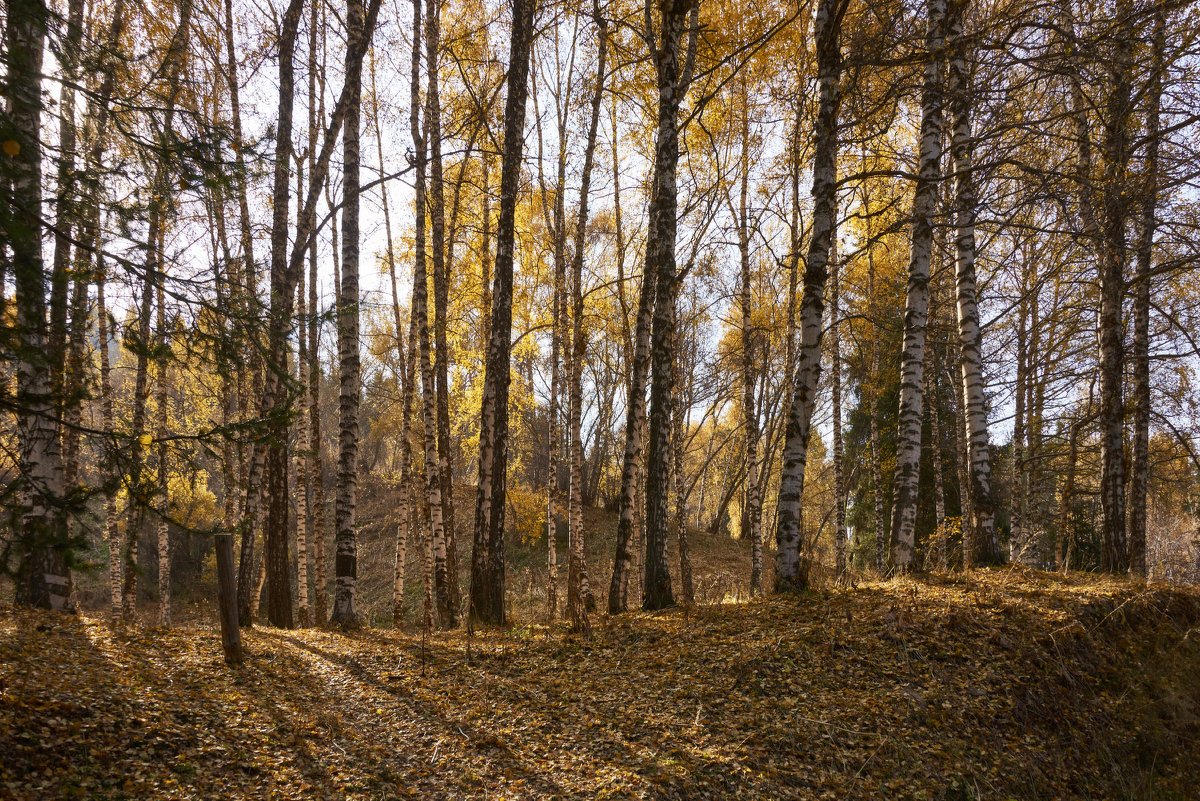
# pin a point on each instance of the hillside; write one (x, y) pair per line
(1002, 685)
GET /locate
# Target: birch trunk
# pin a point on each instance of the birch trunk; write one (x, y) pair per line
(487, 564)
(558, 333)
(68, 356)
(301, 457)
(577, 602)
(958, 441)
(1019, 544)
(406, 376)
(791, 566)
(43, 579)
(96, 137)
(752, 504)
(420, 306)
(441, 280)
(112, 532)
(274, 453)
(673, 80)
(970, 334)
(1140, 456)
(916, 308)
(163, 497)
(247, 305)
(839, 486)
(881, 538)
(345, 610)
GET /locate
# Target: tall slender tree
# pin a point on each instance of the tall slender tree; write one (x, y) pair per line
(969, 330)
(674, 76)
(916, 307)
(791, 566)
(487, 560)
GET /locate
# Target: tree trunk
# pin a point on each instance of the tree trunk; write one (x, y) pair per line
(577, 566)
(251, 483)
(441, 281)
(636, 351)
(96, 136)
(274, 399)
(43, 579)
(881, 538)
(301, 457)
(345, 612)
(558, 333)
(752, 504)
(687, 588)
(673, 80)
(404, 373)
(916, 309)
(1140, 456)
(163, 505)
(487, 563)
(1113, 550)
(970, 334)
(791, 566)
(839, 486)
(68, 360)
(1019, 545)
(420, 306)
(935, 447)
(112, 533)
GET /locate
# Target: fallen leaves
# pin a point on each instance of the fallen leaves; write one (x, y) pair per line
(1004, 685)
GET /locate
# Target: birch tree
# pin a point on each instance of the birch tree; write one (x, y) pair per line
(577, 566)
(674, 77)
(791, 567)
(970, 335)
(487, 560)
(916, 309)
(44, 578)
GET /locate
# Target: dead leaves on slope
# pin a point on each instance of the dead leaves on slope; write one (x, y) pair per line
(1002, 685)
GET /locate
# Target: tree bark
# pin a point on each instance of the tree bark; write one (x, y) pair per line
(673, 80)
(970, 334)
(1114, 555)
(487, 563)
(282, 294)
(791, 566)
(1140, 455)
(577, 565)
(163, 505)
(420, 312)
(44, 579)
(345, 610)
(839, 486)
(441, 280)
(752, 504)
(916, 309)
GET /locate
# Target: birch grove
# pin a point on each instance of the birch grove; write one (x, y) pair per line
(882, 290)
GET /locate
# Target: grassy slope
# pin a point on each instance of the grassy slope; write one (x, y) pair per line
(1003, 685)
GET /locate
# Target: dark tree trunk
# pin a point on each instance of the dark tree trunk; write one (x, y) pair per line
(487, 562)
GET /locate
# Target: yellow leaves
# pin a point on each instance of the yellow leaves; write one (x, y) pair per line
(145, 440)
(12, 148)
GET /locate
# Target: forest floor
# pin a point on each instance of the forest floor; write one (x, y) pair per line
(1006, 684)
